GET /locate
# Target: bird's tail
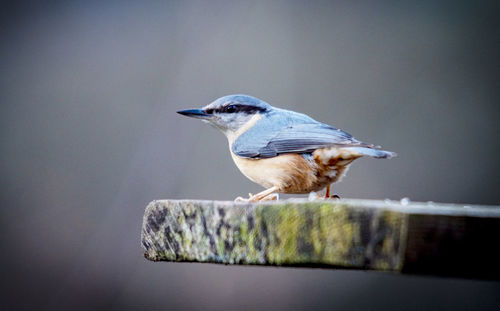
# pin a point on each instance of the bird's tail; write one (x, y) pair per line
(376, 153)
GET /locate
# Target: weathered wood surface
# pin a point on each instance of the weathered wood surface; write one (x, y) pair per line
(419, 238)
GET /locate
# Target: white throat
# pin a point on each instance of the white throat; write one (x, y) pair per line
(233, 135)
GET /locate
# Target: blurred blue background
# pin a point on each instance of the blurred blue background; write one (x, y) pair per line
(89, 135)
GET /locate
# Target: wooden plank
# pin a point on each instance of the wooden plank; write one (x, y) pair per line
(417, 238)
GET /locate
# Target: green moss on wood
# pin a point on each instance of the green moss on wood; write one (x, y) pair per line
(324, 232)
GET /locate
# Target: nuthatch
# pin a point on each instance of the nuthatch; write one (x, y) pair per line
(281, 150)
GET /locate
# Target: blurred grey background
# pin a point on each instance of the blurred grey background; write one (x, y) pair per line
(89, 135)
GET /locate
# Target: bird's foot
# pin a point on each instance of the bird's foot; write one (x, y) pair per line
(271, 197)
(254, 198)
(241, 200)
(313, 196)
(266, 195)
(328, 194)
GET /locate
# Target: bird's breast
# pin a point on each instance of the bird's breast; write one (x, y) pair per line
(297, 173)
(291, 173)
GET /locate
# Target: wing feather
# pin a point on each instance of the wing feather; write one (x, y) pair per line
(289, 132)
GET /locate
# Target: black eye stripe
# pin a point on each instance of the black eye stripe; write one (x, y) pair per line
(230, 108)
(234, 108)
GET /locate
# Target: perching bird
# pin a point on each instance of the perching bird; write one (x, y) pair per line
(282, 150)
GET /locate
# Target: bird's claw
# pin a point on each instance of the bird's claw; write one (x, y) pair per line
(315, 196)
(241, 200)
(271, 197)
(255, 198)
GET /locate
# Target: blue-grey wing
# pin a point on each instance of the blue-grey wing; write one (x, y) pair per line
(272, 136)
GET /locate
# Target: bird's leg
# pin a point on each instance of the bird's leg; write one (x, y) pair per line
(259, 196)
(272, 197)
(328, 195)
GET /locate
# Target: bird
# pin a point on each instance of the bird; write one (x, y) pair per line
(282, 150)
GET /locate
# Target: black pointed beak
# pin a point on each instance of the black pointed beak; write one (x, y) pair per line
(194, 113)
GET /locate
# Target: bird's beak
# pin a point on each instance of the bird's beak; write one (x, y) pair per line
(194, 113)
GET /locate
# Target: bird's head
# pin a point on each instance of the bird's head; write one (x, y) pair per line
(229, 113)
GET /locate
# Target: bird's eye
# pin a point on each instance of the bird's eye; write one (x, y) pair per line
(209, 111)
(230, 109)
